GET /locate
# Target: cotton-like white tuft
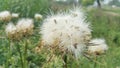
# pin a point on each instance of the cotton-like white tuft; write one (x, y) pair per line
(25, 26)
(97, 46)
(11, 30)
(38, 16)
(78, 13)
(15, 15)
(5, 16)
(71, 32)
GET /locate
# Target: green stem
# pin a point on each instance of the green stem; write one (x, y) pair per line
(65, 60)
(18, 47)
(8, 56)
(95, 64)
(25, 54)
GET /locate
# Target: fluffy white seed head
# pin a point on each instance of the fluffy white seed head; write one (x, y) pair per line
(15, 15)
(5, 16)
(25, 26)
(11, 30)
(72, 33)
(97, 46)
(38, 16)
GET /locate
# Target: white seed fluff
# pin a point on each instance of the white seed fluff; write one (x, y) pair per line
(5, 16)
(73, 33)
(38, 16)
(15, 15)
(97, 46)
(10, 29)
(25, 26)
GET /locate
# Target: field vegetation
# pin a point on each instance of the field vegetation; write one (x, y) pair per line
(105, 23)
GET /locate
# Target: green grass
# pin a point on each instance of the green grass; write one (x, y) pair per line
(104, 25)
(107, 26)
(26, 8)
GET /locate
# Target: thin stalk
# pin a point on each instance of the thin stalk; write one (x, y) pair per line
(25, 54)
(95, 64)
(65, 60)
(18, 48)
(8, 56)
(79, 64)
(95, 61)
(50, 58)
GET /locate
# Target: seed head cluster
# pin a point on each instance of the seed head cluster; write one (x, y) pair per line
(38, 16)
(7, 16)
(23, 27)
(70, 29)
(15, 15)
(97, 47)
